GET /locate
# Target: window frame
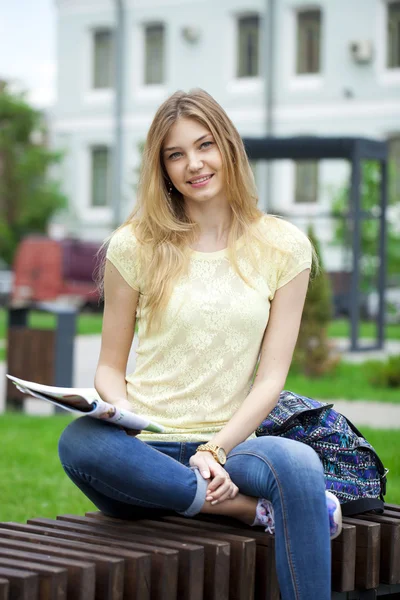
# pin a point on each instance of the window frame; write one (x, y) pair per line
(146, 27)
(111, 75)
(387, 45)
(108, 204)
(385, 76)
(246, 75)
(304, 13)
(316, 181)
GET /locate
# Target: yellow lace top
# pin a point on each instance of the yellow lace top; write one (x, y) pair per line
(194, 374)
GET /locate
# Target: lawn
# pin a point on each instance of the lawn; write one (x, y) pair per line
(341, 328)
(347, 382)
(87, 323)
(33, 484)
(90, 323)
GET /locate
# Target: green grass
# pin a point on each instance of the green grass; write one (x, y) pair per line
(348, 382)
(87, 323)
(33, 483)
(90, 323)
(341, 328)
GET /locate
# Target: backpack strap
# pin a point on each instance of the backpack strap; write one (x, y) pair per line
(362, 505)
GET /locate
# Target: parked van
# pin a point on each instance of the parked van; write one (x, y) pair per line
(55, 270)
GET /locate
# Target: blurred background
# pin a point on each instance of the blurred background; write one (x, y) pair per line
(97, 71)
(80, 82)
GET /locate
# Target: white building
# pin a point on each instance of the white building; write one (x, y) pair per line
(286, 67)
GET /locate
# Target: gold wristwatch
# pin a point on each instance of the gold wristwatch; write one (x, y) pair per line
(218, 453)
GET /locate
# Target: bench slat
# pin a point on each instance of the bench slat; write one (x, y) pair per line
(23, 584)
(52, 580)
(390, 547)
(215, 557)
(164, 564)
(344, 560)
(74, 568)
(137, 571)
(266, 581)
(191, 556)
(110, 576)
(4, 589)
(242, 554)
(368, 545)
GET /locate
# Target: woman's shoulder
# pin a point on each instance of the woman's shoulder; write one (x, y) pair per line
(282, 234)
(122, 239)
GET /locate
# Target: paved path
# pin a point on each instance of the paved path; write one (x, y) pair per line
(362, 413)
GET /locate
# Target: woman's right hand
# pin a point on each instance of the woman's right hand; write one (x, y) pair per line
(124, 404)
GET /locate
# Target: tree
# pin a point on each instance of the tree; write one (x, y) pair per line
(370, 201)
(28, 195)
(313, 353)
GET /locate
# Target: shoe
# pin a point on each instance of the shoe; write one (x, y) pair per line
(265, 515)
(335, 514)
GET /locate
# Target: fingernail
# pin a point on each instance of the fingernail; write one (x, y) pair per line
(215, 502)
(205, 474)
(208, 498)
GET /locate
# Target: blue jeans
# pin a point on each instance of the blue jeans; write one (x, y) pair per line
(125, 477)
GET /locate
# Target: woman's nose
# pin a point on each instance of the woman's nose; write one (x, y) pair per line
(195, 163)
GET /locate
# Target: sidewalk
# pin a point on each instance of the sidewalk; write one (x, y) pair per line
(361, 413)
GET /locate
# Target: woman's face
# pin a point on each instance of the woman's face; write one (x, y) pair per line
(193, 161)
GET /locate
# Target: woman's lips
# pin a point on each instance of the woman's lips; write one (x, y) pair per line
(201, 182)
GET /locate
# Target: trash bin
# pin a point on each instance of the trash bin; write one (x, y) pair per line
(41, 355)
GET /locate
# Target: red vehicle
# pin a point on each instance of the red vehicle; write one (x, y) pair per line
(52, 270)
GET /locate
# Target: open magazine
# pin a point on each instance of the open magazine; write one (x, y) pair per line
(86, 401)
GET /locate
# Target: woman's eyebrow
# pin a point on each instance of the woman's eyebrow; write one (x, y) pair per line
(176, 147)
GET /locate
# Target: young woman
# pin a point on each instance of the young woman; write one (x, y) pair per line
(217, 287)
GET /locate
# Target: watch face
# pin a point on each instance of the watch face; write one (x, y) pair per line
(221, 456)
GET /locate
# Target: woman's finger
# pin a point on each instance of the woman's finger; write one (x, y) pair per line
(224, 488)
(220, 475)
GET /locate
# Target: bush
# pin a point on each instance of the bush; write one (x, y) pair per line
(384, 374)
(314, 353)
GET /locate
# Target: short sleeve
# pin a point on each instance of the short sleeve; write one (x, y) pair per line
(122, 253)
(297, 255)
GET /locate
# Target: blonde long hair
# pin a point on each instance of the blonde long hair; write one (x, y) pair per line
(163, 230)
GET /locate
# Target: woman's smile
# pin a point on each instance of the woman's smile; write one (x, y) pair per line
(200, 181)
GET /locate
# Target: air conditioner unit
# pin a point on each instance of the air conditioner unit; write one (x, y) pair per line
(361, 51)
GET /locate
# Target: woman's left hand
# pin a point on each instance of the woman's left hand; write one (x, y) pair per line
(220, 487)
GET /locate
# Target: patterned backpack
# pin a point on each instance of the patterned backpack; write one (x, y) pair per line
(353, 470)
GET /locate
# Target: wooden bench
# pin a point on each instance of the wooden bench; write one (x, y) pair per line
(95, 557)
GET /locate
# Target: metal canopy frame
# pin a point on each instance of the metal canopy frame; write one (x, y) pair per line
(353, 149)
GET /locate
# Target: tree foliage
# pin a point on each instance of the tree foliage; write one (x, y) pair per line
(370, 234)
(313, 353)
(28, 195)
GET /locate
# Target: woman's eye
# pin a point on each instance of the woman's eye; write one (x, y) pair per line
(206, 144)
(174, 155)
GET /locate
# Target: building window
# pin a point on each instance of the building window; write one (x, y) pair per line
(248, 46)
(394, 160)
(393, 37)
(101, 176)
(306, 182)
(103, 59)
(154, 54)
(308, 42)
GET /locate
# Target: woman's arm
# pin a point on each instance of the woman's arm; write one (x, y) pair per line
(276, 355)
(120, 302)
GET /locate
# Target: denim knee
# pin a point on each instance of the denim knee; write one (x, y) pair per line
(79, 440)
(292, 463)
